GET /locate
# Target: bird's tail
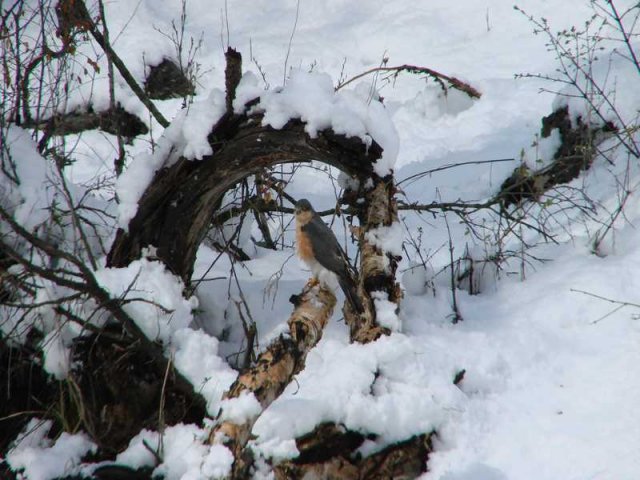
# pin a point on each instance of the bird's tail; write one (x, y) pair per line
(350, 292)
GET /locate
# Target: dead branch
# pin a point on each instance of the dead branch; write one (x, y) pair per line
(403, 460)
(88, 285)
(437, 76)
(232, 75)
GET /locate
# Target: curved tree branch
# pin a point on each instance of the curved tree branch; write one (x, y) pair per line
(176, 210)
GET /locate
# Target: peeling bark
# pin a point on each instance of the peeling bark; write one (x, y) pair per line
(401, 461)
(274, 369)
(377, 268)
(329, 451)
(174, 215)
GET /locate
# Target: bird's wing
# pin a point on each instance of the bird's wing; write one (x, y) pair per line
(326, 248)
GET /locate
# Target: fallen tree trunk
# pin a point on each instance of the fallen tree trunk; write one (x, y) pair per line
(176, 211)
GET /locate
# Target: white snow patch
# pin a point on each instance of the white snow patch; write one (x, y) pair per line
(38, 458)
(414, 279)
(276, 449)
(248, 89)
(395, 387)
(614, 74)
(29, 200)
(157, 305)
(199, 119)
(137, 455)
(184, 450)
(218, 463)
(196, 357)
(162, 313)
(57, 356)
(186, 137)
(240, 409)
(388, 239)
(386, 311)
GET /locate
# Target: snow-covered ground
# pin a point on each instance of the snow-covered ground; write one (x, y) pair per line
(550, 388)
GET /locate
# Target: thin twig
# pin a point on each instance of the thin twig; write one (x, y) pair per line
(621, 304)
(118, 163)
(293, 32)
(625, 34)
(453, 81)
(452, 165)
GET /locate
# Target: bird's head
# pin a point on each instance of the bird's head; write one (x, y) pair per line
(303, 205)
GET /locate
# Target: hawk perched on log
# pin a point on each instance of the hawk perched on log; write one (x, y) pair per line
(318, 247)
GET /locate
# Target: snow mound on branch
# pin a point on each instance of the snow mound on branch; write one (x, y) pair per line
(196, 357)
(153, 298)
(186, 454)
(307, 96)
(611, 73)
(185, 137)
(354, 113)
(371, 388)
(153, 294)
(388, 239)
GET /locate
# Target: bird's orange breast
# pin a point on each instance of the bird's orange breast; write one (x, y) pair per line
(303, 244)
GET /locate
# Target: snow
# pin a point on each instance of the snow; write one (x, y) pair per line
(388, 239)
(386, 314)
(26, 201)
(311, 98)
(137, 455)
(186, 137)
(155, 297)
(549, 389)
(240, 409)
(57, 356)
(39, 458)
(248, 89)
(196, 357)
(184, 452)
(414, 279)
(368, 388)
(611, 72)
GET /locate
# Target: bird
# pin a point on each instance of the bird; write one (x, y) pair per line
(318, 247)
